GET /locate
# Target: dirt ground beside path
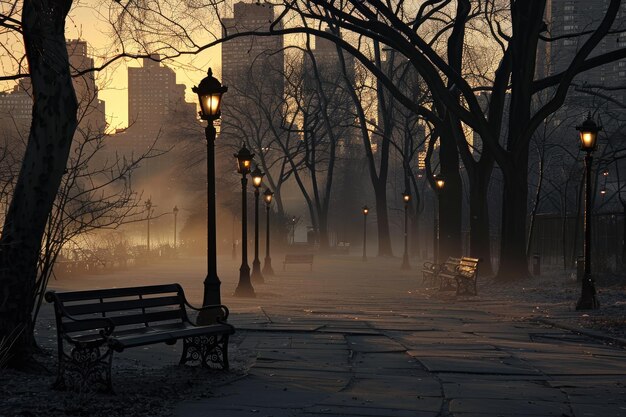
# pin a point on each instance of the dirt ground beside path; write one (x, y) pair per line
(141, 388)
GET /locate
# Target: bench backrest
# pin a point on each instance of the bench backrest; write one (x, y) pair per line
(131, 307)
(292, 257)
(451, 264)
(468, 266)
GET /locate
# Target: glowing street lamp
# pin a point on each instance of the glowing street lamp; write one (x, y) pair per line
(267, 267)
(244, 162)
(588, 134)
(257, 180)
(406, 197)
(210, 92)
(440, 183)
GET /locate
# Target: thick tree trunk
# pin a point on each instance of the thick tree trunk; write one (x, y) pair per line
(382, 221)
(450, 207)
(624, 237)
(513, 263)
(49, 142)
(323, 233)
(415, 233)
(479, 221)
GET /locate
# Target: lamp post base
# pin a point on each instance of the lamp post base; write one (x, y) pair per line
(405, 262)
(256, 276)
(267, 267)
(244, 288)
(364, 259)
(211, 297)
(588, 300)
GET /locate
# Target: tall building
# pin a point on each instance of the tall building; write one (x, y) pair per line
(324, 63)
(91, 110)
(16, 109)
(569, 17)
(16, 105)
(253, 70)
(153, 98)
(264, 53)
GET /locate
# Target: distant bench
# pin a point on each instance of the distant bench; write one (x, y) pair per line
(462, 271)
(95, 323)
(298, 258)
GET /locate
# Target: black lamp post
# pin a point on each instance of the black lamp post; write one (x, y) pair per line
(293, 230)
(440, 182)
(210, 93)
(244, 161)
(588, 133)
(406, 197)
(366, 210)
(149, 210)
(257, 180)
(267, 267)
(175, 211)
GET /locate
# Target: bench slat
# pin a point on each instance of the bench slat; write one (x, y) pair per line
(168, 334)
(105, 307)
(77, 326)
(116, 292)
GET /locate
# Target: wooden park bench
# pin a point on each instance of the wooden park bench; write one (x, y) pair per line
(463, 271)
(430, 272)
(297, 258)
(92, 324)
(466, 276)
(447, 273)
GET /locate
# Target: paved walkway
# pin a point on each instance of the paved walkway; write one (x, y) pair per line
(364, 339)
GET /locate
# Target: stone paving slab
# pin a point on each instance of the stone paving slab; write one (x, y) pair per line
(478, 388)
(599, 410)
(509, 407)
(366, 411)
(389, 362)
(574, 365)
(376, 343)
(509, 366)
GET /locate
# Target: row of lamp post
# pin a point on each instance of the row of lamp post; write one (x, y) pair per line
(210, 93)
(406, 198)
(244, 287)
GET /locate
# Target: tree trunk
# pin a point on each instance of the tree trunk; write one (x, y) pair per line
(624, 237)
(513, 263)
(480, 244)
(382, 221)
(49, 142)
(415, 233)
(450, 207)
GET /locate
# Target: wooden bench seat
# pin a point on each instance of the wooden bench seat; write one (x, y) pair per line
(298, 258)
(460, 271)
(92, 324)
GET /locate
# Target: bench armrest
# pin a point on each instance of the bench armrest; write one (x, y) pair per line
(431, 265)
(225, 310)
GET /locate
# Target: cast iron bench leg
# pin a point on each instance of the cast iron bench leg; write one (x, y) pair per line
(206, 350)
(84, 369)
